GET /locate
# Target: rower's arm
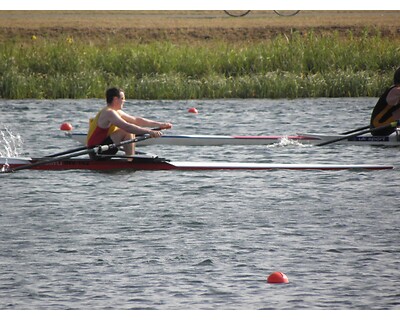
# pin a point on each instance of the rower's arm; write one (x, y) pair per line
(121, 122)
(143, 122)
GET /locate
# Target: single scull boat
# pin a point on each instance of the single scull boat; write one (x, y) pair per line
(217, 140)
(154, 163)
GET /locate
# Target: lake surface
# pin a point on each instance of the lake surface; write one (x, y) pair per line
(201, 240)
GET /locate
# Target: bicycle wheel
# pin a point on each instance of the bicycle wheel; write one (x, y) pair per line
(286, 13)
(237, 13)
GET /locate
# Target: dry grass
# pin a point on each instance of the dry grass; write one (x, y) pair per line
(187, 26)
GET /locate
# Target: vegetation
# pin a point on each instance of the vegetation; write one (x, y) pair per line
(286, 66)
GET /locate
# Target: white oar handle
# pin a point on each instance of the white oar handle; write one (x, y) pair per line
(102, 148)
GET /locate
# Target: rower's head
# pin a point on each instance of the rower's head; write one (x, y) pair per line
(396, 78)
(114, 93)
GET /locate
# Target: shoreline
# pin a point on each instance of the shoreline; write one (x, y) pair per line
(197, 55)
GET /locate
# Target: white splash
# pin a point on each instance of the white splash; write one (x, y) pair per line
(10, 143)
(5, 167)
(285, 142)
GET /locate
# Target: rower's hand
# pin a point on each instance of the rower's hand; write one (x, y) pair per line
(155, 134)
(166, 125)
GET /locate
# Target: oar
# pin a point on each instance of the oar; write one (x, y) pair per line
(67, 152)
(356, 130)
(393, 124)
(82, 148)
(96, 149)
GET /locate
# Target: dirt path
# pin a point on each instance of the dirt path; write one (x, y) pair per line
(189, 26)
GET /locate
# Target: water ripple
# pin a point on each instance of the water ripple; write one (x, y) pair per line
(201, 240)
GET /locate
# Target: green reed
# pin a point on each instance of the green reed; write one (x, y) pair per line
(288, 66)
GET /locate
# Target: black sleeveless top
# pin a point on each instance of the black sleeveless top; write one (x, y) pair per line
(382, 115)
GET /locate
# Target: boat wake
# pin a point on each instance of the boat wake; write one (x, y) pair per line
(285, 142)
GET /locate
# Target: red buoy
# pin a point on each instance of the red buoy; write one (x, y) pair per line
(66, 126)
(193, 110)
(277, 277)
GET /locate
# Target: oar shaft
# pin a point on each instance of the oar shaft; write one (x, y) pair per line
(392, 124)
(51, 160)
(122, 143)
(81, 148)
(356, 130)
(96, 149)
(67, 152)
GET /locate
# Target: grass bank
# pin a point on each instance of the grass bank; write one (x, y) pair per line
(295, 65)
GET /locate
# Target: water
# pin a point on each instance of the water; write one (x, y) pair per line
(201, 240)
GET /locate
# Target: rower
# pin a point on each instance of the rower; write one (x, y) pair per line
(113, 125)
(387, 109)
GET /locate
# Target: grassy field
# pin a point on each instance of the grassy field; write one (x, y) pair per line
(197, 54)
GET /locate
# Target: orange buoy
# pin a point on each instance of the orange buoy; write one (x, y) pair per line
(66, 126)
(277, 277)
(193, 110)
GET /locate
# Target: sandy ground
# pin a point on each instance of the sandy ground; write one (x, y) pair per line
(188, 26)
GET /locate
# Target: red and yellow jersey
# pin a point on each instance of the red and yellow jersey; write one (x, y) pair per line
(97, 135)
